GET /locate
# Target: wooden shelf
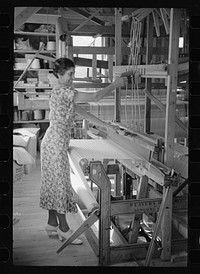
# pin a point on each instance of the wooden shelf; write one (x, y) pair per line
(31, 121)
(34, 69)
(34, 33)
(33, 51)
(29, 87)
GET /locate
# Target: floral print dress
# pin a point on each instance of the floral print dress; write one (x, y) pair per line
(56, 190)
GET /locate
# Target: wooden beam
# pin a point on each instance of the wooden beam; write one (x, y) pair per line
(108, 31)
(23, 16)
(90, 85)
(130, 252)
(118, 45)
(163, 108)
(165, 19)
(135, 206)
(138, 11)
(75, 19)
(85, 62)
(43, 19)
(167, 11)
(111, 50)
(156, 22)
(88, 15)
(135, 226)
(166, 226)
(149, 54)
(157, 226)
(18, 10)
(94, 50)
(172, 86)
(94, 67)
(144, 14)
(62, 28)
(86, 21)
(70, 48)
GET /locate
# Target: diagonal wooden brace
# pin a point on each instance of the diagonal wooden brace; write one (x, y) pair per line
(157, 226)
(88, 223)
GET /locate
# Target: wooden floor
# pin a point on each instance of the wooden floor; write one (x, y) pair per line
(32, 246)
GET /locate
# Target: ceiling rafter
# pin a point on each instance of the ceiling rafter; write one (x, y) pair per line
(24, 15)
(165, 20)
(87, 15)
(86, 21)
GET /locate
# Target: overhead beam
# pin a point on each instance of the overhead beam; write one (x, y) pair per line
(156, 22)
(88, 29)
(23, 16)
(144, 14)
(18, 10)
(165, 20)
(85, 62)
(86, 21)
(87, 15)
(103, 30)
(42, 18)
(111, 50)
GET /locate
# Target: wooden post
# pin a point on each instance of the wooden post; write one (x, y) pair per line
(142, 193)
(149, 54)
(94, 66)
(118, 37)
(69, 48)
(172, 86)
(110, 62)
(98, 175)
(166, 224)
(63, 49)
(58, 48)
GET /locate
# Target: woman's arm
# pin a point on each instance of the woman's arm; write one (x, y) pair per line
(84, 97)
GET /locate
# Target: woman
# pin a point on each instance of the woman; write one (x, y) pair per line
(56, 194)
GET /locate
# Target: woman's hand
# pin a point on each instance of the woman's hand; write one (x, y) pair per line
(120, 81)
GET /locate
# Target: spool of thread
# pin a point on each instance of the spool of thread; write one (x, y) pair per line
(35, 64)
(31, 115)
(15, 118)
(37, 114)
(51, 45)
(47, 114)
(25, 115)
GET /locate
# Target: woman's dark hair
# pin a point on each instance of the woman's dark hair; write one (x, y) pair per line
(61, 65)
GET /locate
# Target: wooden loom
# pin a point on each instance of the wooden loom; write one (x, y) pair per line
(150, 173)
(116, 147)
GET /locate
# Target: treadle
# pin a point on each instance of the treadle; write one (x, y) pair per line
(90, 221)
